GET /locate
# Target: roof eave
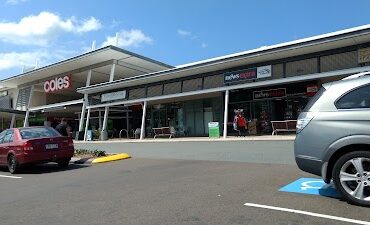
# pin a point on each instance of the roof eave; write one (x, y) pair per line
(278, 48)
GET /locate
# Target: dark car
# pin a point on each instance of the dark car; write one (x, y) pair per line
(34, 145)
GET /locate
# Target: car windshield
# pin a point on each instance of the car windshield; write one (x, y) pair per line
(38, 132)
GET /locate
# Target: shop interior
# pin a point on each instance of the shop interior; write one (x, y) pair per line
(260, 112)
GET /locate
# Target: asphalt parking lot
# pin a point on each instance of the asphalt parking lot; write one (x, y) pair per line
(163, 191)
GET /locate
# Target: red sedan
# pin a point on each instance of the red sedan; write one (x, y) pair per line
(34, 145)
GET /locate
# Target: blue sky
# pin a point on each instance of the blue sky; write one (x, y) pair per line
(174, 32)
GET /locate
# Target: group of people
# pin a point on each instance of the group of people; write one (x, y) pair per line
(63, 128)
(240, 123)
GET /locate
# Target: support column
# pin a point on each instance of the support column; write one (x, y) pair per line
(142, 130)
(226, 112)
(87, 123)
(25, 124)
(104, 132)
(12, 122)
(100, 122)
(83, 110)
(112, 70)
(127, 122)
(82, 117)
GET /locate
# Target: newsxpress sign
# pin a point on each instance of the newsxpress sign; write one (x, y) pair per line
(272, 93)
(58, 84)
(247, 74)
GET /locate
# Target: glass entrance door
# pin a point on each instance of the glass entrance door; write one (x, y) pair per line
(159, 118)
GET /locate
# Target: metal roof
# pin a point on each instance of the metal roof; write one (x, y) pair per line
(84, 61)
(314, 44)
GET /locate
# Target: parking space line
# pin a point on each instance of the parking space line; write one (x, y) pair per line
(14, 177)
(308, 213)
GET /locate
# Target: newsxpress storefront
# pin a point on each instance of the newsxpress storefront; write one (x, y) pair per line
(275, 81)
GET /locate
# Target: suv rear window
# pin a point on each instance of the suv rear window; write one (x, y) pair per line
(314, 99)
(355, 99)
(38, 132)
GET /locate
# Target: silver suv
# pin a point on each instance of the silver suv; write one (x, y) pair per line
(333, 137)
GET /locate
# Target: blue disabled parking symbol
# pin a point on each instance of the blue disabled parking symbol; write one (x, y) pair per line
(312, 186)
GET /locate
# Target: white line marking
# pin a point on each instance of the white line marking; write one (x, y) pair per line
(14, 177)
(308, 213)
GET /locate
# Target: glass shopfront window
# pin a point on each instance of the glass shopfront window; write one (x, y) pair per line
(188, 118)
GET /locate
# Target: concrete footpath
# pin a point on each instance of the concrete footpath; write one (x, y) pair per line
(274, 150)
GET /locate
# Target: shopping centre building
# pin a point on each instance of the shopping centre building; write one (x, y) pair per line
(114, 92)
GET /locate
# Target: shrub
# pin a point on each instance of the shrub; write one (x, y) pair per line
(95, 153)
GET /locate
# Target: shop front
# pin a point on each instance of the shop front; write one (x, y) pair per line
(262, 105)
(185, 118)
(267, 85)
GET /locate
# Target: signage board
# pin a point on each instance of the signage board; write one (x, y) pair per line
(89, 135)
(247, 74)
(312, 89)
(213, 129)
(240, 75)
(58, 84)
(272, 93)
(264, 71)
(113, 96)
(3, 93)
(364, 55)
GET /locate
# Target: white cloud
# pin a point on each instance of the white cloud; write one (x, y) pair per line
(41, 29)
(16, 60)
(115, 24)
(89, 25)
(189, 35)
(128, 38)
(13, 60)
(15, 2)
(183, 32)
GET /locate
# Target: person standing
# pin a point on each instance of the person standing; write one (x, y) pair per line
(62, 127)
(242, 123)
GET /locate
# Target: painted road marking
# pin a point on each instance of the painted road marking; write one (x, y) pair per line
(308, 213)
(312, 186)
(14, 177)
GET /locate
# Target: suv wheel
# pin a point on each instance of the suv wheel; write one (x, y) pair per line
(351, 175)
(13, 166)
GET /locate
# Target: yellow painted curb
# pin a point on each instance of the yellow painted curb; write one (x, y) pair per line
(111, 158)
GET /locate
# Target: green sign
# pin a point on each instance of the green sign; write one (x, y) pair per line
(213, 130)
(37, 119)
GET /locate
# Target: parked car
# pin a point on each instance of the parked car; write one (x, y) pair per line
(333, 137)
(34, 145)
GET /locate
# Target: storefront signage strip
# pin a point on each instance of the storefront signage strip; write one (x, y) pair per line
(272, 93)
(58, 84)
(113, 96)
(364, 55)
(247, 74)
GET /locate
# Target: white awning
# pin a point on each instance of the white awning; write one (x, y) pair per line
(128, 62)
(56, 105)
